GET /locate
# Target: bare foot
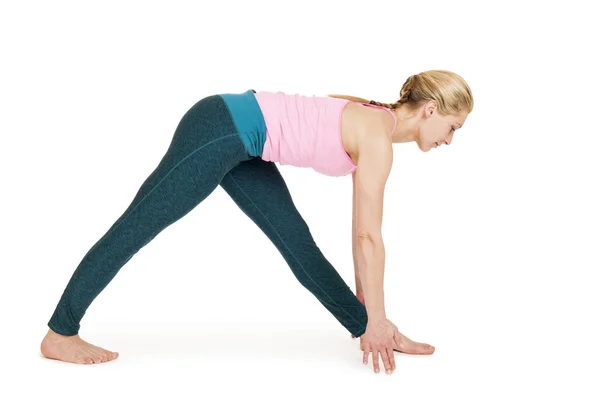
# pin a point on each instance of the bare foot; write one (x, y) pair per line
(405, 345)
(73, 349)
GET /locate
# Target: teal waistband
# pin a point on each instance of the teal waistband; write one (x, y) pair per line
(248, 119)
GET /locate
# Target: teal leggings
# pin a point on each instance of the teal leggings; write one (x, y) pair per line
(206, 151)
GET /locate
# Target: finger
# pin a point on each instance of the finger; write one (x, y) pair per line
(390, 351)
(375, 360)
(386, 360)
(366, 354)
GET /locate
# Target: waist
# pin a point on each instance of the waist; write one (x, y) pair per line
(248, 119)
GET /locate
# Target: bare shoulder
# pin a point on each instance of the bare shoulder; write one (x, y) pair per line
(360, 125)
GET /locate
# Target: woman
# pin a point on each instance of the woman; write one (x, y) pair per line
(234, 140)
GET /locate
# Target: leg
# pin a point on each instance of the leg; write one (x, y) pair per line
(204, 148)
(259, 190)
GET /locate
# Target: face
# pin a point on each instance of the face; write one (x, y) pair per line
(436, 129)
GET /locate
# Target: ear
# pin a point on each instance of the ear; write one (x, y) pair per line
(430, 107)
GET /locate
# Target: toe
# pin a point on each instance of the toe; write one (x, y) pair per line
(427, 349)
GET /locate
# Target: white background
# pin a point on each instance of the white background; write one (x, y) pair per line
(492, 242)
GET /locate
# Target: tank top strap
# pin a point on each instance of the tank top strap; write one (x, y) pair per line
(384, 107)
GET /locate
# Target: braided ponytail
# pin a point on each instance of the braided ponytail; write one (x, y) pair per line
(406, 91)
(448, 89)
(388, 105)
(404, 97)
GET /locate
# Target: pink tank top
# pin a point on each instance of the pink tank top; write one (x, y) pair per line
(305, 131)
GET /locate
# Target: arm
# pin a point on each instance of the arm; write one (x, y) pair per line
(359, 290)
(370, 177)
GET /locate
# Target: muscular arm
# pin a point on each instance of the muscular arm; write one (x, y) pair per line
(370, 177)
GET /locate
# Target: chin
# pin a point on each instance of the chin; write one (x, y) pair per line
(425, 148)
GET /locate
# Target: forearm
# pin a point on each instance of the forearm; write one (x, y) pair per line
(371, 262)
(357, 283)
(355, 258)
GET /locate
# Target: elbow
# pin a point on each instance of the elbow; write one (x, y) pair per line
(370, 245)
(371, 237)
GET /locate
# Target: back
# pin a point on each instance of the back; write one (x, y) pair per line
(304, 131)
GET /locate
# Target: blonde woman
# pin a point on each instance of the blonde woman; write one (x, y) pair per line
(234, 140)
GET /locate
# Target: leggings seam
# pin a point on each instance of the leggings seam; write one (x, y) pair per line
(299, 263)
(159, 182)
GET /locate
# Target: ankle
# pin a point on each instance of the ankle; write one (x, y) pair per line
(57, 336)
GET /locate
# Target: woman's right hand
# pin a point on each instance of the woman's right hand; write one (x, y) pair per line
(378, 339)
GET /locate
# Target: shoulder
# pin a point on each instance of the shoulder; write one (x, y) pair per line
(374, 141)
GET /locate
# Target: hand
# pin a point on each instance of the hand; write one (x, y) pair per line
(379, 339)
(361, 297)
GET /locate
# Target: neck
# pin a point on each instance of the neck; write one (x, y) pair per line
(407, 127)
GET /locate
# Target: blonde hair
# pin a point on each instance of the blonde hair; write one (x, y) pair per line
(448, 89)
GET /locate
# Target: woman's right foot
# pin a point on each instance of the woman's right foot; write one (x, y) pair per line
(73, 349)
